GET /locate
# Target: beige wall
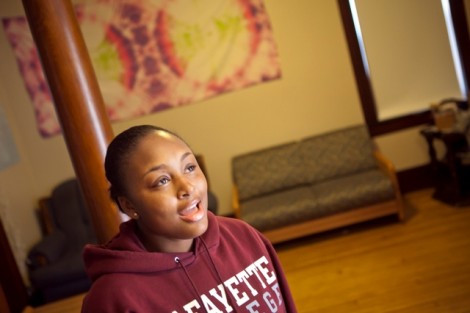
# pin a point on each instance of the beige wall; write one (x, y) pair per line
(316, 93)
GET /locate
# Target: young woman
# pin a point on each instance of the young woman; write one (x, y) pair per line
(173, 255)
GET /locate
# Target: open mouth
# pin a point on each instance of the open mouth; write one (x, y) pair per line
(192, 213)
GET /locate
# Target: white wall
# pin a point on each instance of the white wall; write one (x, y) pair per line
(316, 93)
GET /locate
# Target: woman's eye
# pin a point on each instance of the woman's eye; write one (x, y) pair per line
(191, 168)
(163, 181)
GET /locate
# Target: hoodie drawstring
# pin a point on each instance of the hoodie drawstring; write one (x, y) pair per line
(212, 262)
(218, 274)
(178, 261)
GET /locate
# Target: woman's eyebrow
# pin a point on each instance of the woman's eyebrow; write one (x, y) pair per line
(160, 166)
(155, 168)
(185, 155)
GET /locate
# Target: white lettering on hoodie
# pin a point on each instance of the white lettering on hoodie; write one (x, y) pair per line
(257, 269)
(222, 297)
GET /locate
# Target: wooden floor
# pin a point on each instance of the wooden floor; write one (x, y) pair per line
(418, 266)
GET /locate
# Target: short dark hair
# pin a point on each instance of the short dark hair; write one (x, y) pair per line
(118, 153)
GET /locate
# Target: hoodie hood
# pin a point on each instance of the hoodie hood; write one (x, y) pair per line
(125, 253)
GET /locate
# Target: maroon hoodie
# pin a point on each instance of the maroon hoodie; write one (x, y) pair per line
(232, 268)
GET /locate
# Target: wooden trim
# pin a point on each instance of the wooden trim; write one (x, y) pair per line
(333, 221)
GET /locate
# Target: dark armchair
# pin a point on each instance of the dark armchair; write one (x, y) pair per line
(55, 264)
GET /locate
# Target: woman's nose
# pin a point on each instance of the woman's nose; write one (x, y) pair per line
(185, 188)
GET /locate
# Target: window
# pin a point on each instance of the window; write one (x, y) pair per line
(406, 55)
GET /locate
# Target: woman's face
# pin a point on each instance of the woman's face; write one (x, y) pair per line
(166, 193)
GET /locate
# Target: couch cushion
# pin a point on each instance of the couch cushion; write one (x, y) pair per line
(322, 199)
(353, 191)
(268, 170)
(279, 209)
(335, 154)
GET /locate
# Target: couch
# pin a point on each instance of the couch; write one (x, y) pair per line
(318, 183)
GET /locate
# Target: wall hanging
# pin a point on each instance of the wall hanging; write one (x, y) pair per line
(152, 55)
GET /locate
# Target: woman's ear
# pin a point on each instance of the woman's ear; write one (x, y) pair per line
(128, 208)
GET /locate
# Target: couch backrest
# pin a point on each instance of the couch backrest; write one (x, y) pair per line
(338, 153)
(267, 170)
(313, 159)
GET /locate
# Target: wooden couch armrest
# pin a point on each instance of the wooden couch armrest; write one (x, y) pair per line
(387, 167)
(236, 202)
(385, 164)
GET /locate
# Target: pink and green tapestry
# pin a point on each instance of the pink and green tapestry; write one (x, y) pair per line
(153, 55)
